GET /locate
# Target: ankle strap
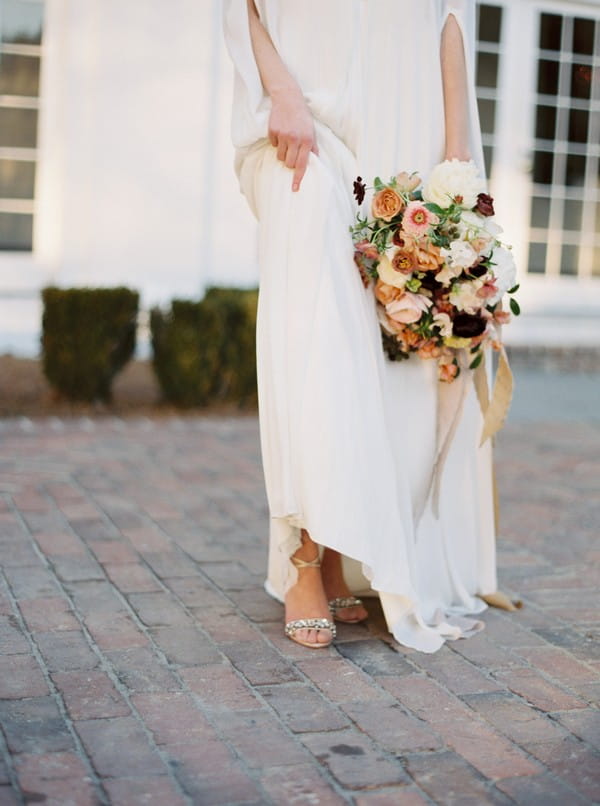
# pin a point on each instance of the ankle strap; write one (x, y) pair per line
(316, 563)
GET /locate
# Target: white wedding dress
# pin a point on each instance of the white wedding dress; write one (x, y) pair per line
(348, 438)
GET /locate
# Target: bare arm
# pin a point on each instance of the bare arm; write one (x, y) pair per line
(291, 125)
(456, 99)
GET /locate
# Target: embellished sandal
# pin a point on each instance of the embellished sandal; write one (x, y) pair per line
(309, 623)
(341, 602)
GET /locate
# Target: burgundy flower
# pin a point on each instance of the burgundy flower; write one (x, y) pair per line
(485, 204)
(467, 325)
(477, 270)
(359, 189)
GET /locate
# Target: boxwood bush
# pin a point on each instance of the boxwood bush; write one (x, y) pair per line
(204, 352)
(88, 335)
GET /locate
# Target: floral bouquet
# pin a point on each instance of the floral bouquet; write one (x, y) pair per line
(439, 270)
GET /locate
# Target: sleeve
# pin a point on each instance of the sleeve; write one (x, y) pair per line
(250, 112)
(464, 13)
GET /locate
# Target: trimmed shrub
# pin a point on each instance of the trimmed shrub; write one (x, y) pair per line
(88, 335)
(205, 351)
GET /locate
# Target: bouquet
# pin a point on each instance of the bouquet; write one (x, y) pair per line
(438, 268)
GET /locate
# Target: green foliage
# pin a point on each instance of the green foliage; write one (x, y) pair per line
(88, 335)
(514, 306)
(476, 361)
(205, 351)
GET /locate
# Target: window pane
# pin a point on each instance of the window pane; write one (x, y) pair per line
(550, 31)
(569, 259)
(487, 69)
(16, 232)
(545, 125)
(487, 159)
(18, 127)
(540, 212)
(490, 19)
(537, 258)
(596, 263)
(487, 115)
(578, 125)
(575, 169)
(17, 179)
(583, 36)
(547, 77)
(581, 81)
(542, 167)
(572, 214)
(19, 75)
(21, 22)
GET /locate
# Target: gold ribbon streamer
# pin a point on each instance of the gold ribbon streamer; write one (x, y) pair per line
(451, 400)
(495, 410)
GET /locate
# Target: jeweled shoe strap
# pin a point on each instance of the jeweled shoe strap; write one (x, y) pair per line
(316, 563)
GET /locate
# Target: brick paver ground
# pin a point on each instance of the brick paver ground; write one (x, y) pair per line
(142, 663)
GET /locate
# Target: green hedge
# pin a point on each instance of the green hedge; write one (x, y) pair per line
(88, 335)
(205, 352)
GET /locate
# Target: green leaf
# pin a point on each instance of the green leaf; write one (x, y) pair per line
(434, 208)
(514, 289)
(476, 361)
(378, 184)
(515, 307)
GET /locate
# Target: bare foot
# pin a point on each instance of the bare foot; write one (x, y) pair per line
(306, 599)
(335, 586)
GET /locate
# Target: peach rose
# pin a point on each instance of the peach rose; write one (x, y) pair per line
(408, 308)
(427, 255)
(386, 293)
(407, 182)
(386, 204)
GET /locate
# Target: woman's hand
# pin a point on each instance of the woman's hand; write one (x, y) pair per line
(292, 132)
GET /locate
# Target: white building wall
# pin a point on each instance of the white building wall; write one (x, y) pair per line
(135, 183)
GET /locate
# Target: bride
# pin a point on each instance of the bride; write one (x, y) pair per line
(326, 90)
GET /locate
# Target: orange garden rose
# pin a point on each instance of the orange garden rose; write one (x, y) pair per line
(386, 204)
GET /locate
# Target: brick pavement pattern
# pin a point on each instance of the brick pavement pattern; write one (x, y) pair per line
(142, 663)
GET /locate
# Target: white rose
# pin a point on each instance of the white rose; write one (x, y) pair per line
(464, 296)
(504, 270)
(453, 178)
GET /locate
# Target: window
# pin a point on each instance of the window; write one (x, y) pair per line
(20, 52)
(565, 205)
(489, 33)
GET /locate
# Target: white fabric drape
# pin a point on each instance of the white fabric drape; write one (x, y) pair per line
(348, 438)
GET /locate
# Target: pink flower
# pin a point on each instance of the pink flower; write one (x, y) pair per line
(367, 249)
(418, 219)
(447, 372)
(487, 290)
(409, 308)
(502, 317)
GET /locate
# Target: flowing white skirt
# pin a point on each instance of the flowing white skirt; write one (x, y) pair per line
(348, 438)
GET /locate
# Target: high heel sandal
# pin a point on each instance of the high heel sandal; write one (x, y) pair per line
(341, 603)
(309, 623)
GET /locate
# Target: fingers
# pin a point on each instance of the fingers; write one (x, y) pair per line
(300, 166)
(294, 153)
